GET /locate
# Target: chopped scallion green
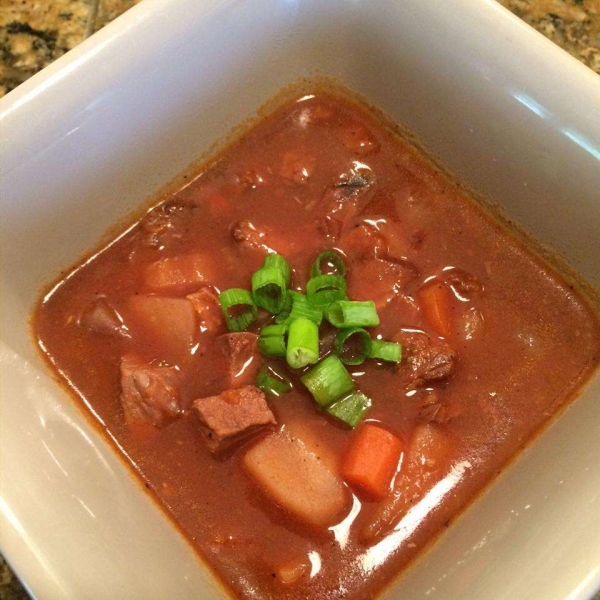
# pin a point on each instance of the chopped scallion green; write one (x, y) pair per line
(302, 309)
(322, 290)
(238, 308)
(388, 351)
(353, 345)
(351, 408)
(272, 385)
(328, 380)
(272, 339)
(328, 263)
(303, 343)
(286, 308)
(349, 313)
(276, 261)
(269, 288)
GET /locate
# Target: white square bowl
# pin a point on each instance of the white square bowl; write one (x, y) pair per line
(96, 133)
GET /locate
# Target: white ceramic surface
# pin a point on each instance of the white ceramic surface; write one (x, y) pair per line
(102, 128)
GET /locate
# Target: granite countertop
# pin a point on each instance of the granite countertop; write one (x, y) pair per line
(35, 32)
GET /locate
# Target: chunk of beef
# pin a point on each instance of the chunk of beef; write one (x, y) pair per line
(206, 304)
(376, 237)
(166, 224)
(149, 394)
(363, 242)
(330, 228)
(356, 182)
(432, 409)
(346, 196)
(246, 235)
(244, 357)
(297, 166)
(232, 414)
(179, 273)
(102, 318)
(167, 324)
(424, 358)
(291, 475)
(244, 232)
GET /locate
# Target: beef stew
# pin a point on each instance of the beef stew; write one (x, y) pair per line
(312, 428)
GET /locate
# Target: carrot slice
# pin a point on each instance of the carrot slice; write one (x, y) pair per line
(436, 302)
(372, 460)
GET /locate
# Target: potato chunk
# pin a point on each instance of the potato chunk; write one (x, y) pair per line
(168, 324)
(294, 478)
(178, 273)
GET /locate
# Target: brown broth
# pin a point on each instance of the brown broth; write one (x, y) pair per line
(536, 344)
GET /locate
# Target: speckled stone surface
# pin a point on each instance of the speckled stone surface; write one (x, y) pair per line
(33, 33)
(572, 24)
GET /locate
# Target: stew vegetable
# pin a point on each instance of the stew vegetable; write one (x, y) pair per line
(318, 351)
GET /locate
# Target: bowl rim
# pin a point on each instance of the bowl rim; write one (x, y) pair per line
(107, 40)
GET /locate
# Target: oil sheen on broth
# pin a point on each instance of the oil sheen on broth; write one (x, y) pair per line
(493, 343)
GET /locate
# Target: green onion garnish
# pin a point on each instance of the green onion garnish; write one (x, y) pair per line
(351, 408)
(286, 308)
(389, 351)
(272, 385)
(302, 309)
(303, 343)
(269, 288)
(353, 346)
(328, 380)
(276, 261)
(272, 339)
(238, 308)
(333, 260)
(322, 290)
(348, 313)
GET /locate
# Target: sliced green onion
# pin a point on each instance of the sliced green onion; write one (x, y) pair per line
(276, 261)
(348, 313)
(302, 309)
(238, 308)
(272, 385)
(269, 288)
(322, 290)
(303, 343)
(351, 408)
(353, 346)
(286, 309)
(328, 380)
(331, 258)
(389, 351)
(271, 340)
